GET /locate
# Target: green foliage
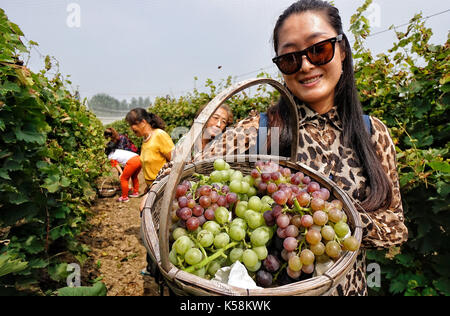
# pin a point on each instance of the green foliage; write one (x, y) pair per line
(9, 265)
(98, 289)
(51, 152)
(407, 88)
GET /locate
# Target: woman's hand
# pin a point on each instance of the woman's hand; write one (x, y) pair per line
(165, 170)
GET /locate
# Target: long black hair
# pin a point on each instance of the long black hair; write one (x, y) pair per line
(348, 106)
(137, 115)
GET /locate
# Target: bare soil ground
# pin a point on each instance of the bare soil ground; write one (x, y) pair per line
(117, 253)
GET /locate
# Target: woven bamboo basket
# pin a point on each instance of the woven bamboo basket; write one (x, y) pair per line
(108, 188)
(156, 217)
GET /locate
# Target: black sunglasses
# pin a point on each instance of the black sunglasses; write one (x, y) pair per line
(318, 54)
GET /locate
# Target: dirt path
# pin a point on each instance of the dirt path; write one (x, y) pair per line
(117, 252)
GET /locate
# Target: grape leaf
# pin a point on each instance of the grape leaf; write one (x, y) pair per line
(30, 136)
(440, 166)
(17, 198)
(38, 263)
(52, 183)
(10, 265)
(65, 182)
(405, 259)
(443, 188)
(98, 289)
(12, 165)
(9, 86)
(4, 174)
(58, 272)
(61, 212)
(445, 88)
(397, 286)
(33, 245)
(6, 58)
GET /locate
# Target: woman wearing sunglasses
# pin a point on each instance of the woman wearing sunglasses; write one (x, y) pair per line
(314, 56)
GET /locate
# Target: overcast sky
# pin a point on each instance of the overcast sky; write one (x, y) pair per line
(152, 48)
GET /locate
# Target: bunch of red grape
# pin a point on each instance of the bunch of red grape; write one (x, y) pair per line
(309, 227)
(194, 209)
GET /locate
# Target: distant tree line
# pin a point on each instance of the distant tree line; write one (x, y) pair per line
(103, 104)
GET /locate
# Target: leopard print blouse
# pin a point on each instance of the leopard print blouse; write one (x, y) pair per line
(321, 148)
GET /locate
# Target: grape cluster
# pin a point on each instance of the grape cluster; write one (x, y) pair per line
(219, 220)
(196, 206)
(310, 228)
(278, 223)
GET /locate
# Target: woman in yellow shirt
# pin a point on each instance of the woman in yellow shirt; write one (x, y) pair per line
(156, 146)
(156, 150)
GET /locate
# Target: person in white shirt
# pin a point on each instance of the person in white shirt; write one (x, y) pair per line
(129, 165)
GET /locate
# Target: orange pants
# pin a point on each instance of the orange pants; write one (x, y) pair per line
(131, 170)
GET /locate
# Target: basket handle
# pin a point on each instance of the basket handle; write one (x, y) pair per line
(185, 150)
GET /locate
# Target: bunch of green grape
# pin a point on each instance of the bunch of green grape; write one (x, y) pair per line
(218, 221)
